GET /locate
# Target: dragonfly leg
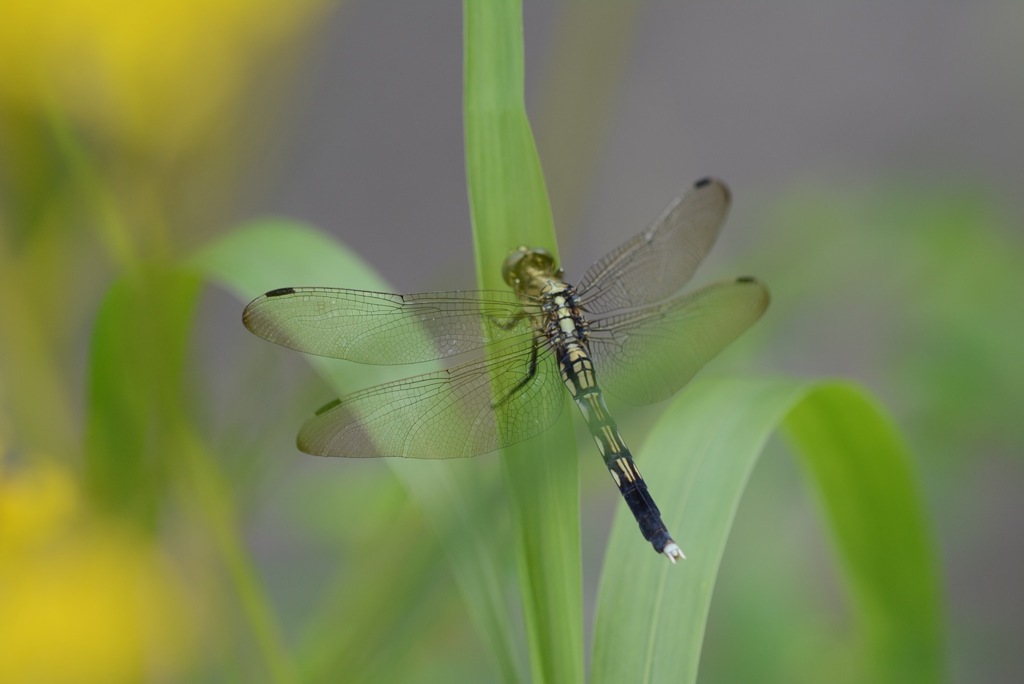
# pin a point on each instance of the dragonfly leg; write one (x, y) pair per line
(530, 374)
(510, 322)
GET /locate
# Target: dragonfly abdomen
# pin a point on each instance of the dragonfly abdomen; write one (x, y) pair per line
(578, 374)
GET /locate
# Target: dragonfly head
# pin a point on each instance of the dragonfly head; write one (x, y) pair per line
(525, 268)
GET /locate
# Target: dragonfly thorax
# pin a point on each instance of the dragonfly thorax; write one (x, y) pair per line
(564, 322)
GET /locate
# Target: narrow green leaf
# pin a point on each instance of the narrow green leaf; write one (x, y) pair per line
(651, 617)
(509, 207)
(508, 199)
(211, 492)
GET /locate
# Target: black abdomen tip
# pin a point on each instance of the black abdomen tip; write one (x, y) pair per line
(706, 180)
(746, 279)
(281, 291)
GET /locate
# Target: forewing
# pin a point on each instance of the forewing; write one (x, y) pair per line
(383, 328)
(446, 414)
(659, 261)
(647, 355)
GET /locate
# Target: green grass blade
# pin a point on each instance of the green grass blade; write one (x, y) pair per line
(651, 617)
(509, 207)
(135, 391)
(507, 196)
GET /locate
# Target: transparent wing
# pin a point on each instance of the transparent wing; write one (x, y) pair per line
(659, 261)
(382, 328)
(446, 414)
(647, 355)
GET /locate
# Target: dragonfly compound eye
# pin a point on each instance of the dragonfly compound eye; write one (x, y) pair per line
(525, 264)
(510, 268)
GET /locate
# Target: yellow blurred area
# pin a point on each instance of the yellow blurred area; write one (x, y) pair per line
(82, 600)
(150, 74)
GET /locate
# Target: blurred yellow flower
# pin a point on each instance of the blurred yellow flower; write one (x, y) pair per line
(82, 601)
(149, 74)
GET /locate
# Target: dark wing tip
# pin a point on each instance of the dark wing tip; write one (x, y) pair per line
(711, 182)
(766, 296)
(249, 313)
(327, 407)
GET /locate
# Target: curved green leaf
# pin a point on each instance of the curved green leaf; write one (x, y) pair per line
(452, 496)
(651, 616)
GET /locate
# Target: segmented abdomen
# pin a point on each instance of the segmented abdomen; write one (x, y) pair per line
(578, 374)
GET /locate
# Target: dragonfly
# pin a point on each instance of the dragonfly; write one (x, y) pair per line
(627, 327)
